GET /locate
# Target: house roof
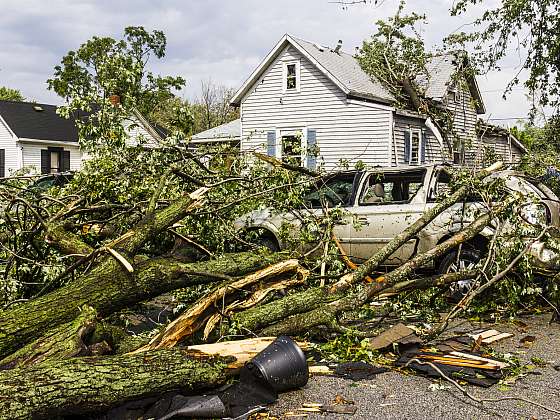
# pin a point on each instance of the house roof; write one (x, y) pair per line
(225, 132)
(37, 121)
(344, 70)
(440, 69)
(485, 129)
(340, 67)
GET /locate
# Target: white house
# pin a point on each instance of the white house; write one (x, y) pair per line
(33, 135)
(315, 105)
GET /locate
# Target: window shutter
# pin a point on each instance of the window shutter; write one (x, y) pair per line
(422, 147)
(407, 146)
(65, 160)
(45, 161)
(2, 163)
(311, 149)
(271, 143)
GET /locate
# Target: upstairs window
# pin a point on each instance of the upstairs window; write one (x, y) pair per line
(291, 82)
(291, 150)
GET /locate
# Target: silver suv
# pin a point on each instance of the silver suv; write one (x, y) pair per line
(385, 201)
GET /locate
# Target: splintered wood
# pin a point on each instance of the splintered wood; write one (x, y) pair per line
(193, 319)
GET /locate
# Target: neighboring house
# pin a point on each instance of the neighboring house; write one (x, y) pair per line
(315, 105)
(35, 136)
(499, 142)
(226, 133)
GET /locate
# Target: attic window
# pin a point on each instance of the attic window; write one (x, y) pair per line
(38, 108)
(291, 81)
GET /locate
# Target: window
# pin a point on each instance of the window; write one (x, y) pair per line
(414, 148)
(336, 191)
(291, 77)
(392, 188)
(55, 161)
(291, 149)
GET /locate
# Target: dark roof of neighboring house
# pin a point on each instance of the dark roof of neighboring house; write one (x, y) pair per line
(37, 121)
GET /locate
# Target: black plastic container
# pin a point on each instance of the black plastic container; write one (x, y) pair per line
(282, 364)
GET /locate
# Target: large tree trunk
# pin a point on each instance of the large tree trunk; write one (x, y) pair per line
(91, 384)
(109, 288)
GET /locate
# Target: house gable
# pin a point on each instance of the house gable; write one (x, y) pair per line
(343, 129)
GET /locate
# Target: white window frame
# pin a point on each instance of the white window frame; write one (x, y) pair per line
(420, 141)
(285, 76)
(292, 132)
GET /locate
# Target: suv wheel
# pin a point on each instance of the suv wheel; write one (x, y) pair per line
(467, 260)
(267, 242)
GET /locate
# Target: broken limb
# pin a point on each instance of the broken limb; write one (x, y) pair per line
(468, 298)
(376, 260)
(63, 341)
(109, 288)
(192, 320)
(91, 384)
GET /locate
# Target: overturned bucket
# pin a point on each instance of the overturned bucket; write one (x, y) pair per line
(282, 364)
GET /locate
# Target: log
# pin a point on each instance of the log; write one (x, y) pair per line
(92, 384)
(63, 341)
(110, 288)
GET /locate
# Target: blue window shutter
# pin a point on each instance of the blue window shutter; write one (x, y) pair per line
(271, 143)
(312, 149)
(422, 147)
(407, 146)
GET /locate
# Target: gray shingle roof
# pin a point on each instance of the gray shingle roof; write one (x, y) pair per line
(440, 69)
(224, 132)
(346, 69)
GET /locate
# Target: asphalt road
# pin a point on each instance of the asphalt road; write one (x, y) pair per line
(393, 395)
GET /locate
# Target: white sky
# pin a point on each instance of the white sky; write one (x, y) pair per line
(210, 39)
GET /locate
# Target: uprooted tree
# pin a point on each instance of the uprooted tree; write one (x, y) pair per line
(137, 223)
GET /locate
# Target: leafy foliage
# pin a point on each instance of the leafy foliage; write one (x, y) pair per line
(8, 94)
(103, 68)
(531, 26)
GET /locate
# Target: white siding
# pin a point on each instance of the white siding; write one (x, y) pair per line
(8, 143)
(503, 147)
(32, 155)
(464, 118)
(345, 130)
(434, 152)
(138, 134)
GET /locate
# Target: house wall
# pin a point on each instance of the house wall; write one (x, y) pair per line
(345, 129)
(502, 147)
(32, 154)
(138, 134)
(404, 123)
(464, 122)
(8, 143)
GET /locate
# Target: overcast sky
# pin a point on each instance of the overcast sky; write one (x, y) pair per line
(209, 39)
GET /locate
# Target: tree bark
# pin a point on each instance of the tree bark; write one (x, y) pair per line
(109, 288)
(92, 384)
(62, 342)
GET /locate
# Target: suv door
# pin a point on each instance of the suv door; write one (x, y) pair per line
(387, 203)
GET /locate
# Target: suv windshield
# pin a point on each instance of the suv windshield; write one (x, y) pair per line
(333, 192)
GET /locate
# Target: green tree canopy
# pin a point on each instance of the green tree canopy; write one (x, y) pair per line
(529, 26)
(9, 94)
(103, 68)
